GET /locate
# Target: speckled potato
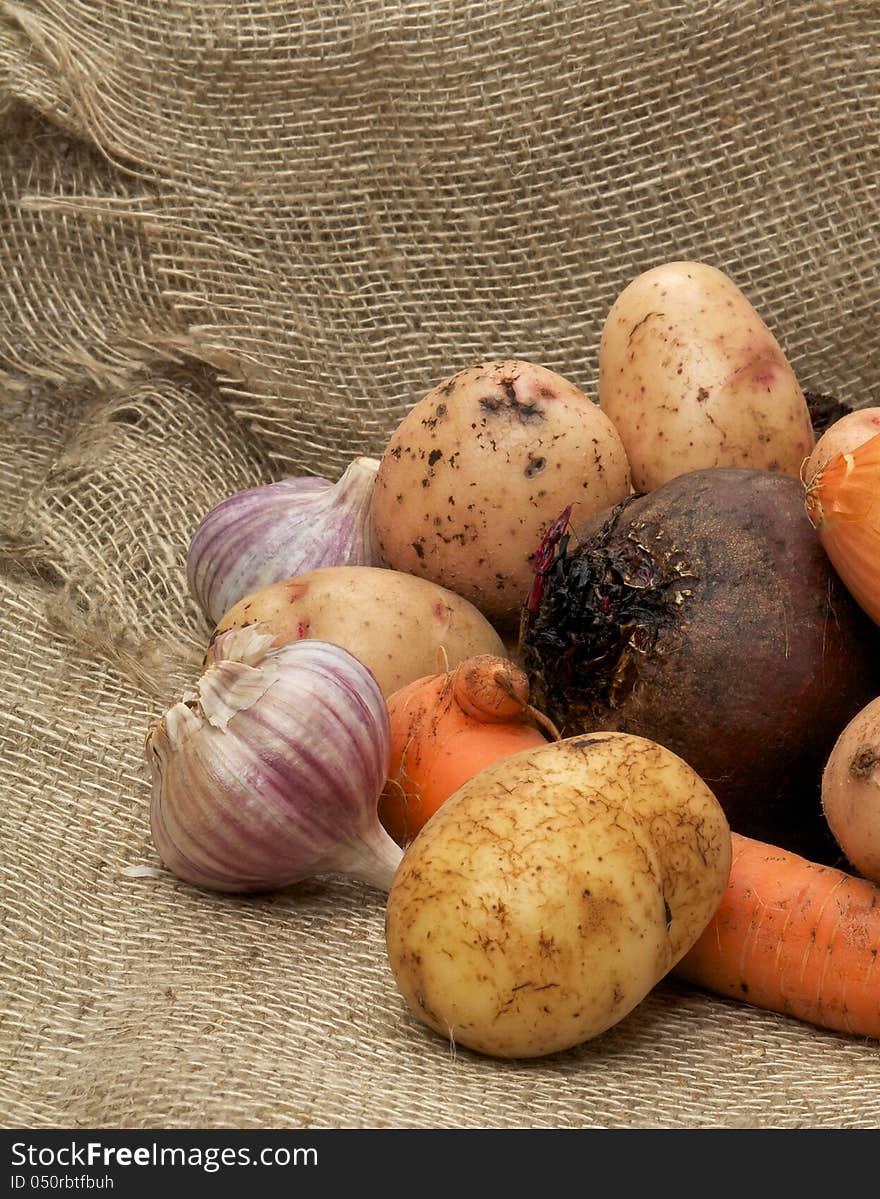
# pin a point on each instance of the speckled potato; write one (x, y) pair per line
(400, 627)
(692, 377)
(553, 891)
(479, 469)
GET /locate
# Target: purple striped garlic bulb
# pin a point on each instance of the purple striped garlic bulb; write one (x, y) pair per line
(273, 532)
(270, 770)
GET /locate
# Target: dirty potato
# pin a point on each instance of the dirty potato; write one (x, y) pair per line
(551, 893)
(480, 468)
(692, 377)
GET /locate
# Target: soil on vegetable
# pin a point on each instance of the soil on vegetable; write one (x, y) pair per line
(601, 604)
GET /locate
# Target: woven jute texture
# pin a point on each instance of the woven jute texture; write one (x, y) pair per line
(238, 241)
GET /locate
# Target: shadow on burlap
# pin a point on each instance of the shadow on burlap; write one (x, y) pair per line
(238, 242)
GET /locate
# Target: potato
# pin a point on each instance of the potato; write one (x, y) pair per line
(480, 468)
(400, 627)
(692, 377)
(851, 791)
(553, 890)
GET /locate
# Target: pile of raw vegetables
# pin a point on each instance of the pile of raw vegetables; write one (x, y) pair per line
(592, 691)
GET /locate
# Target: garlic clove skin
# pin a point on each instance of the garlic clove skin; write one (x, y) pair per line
(272, 532)
(269, 771)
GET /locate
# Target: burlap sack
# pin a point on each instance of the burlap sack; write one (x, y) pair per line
(237, 242)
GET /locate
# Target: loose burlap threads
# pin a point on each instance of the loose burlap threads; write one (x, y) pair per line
(238, 242)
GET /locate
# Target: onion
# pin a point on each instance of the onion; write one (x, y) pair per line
(841, 437)
(843, 503)
(269, 772)
(851, 791)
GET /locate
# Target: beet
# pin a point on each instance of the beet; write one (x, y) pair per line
(705, 615)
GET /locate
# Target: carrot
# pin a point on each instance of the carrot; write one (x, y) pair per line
(793, 937)
(447, 727)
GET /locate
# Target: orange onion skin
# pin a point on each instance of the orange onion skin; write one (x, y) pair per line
(841, 437)
(843, 504)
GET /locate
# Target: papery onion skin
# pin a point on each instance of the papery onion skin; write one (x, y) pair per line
(842, 437)
(268, 533)
(705, 616)
(843, 504)
(269, 772)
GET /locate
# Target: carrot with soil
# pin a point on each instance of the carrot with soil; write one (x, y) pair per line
(794, 937)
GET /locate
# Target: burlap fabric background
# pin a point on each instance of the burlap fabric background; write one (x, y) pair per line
(238, 240)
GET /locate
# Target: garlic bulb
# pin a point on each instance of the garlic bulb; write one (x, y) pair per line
(843, 504)
(270, 771)
(268, 533)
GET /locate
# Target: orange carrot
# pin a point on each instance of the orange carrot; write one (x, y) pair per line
(445, 728)
(793, 937)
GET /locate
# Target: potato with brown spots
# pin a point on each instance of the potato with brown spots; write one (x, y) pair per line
(480, 468)
(553, 891)
(692, 377)
(400, 627)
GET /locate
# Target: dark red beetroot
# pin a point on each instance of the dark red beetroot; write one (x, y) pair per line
(706, 616)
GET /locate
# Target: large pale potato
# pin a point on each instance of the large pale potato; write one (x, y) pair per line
(553, 890)
(480, 468)
(400, 627)
(692, 377)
